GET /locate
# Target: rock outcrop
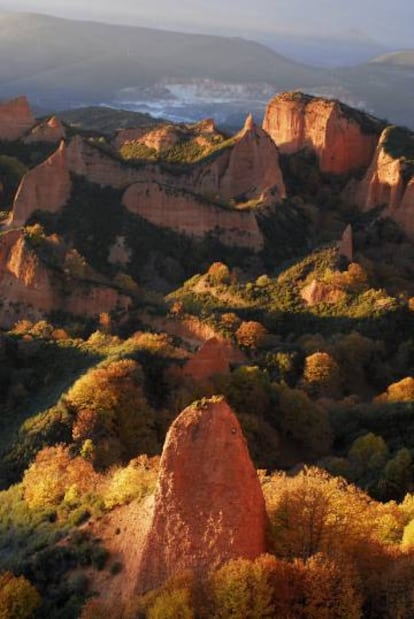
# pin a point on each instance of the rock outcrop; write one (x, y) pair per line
(50, 131)
(246, 168)
(319, 292)
(30, 290)
(343, 139)
(47, 187)
(189, 214)
(159, 139)
(346, 244)
(251, 166)
(16, 119)
(388, 183)
(212, 358)
(163, 137)
(209, 506)
(88, 160)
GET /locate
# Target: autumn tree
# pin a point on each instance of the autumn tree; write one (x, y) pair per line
(251, 334)
(52, 473)
(241, 590)
(219, 273)
(322, 375)
(111, 410)
(303, 420)
(402, 391)
(18, 598)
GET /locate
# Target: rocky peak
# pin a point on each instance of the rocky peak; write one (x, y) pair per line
(16, 119)
(343, 139)
(50, 130)
(209, 506)
(46, 187)
(253, 167)
(249, 123)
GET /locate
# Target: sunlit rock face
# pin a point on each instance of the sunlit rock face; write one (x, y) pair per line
(31, 290)
(16, 119)
(186, 213)
(47, 188)
(246, 168)
(344, 140)
(211, 359)
(209, 506)
(388, 183)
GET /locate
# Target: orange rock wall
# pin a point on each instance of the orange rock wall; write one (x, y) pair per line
(298, 122)
(185, 213)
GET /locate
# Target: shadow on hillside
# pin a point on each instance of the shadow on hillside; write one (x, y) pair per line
(40, 372)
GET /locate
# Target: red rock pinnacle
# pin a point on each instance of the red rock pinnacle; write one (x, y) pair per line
(209, 506)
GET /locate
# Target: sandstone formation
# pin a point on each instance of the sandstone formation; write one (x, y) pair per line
(47, 187)
(30, 290)
(50, 130)
(187, 213)
(212, 358)
(318, 292)
(209, 506)
(388, 183)
(246, 168)
(164, 137)
(16, 119)
(252, 166)
(159, 139)
(87, 160)
(343, 139)
(346, 244)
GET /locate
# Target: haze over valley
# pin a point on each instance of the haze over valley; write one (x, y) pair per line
(184, 77)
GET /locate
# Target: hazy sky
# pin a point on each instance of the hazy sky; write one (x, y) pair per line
(386, 21)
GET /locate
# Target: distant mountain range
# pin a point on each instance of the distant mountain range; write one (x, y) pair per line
(61, 64)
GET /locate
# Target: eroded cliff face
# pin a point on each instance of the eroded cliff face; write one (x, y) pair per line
(188, 214)
(30, 290)
(47, 187)
(344, 140)
(85, 159)
(16, 119)
(50, 131)
(209, 506)
(388, 183)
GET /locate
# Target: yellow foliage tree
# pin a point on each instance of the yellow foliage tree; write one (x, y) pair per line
(322, 375)
(18, 598)
(52, 473)
(241, 590)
